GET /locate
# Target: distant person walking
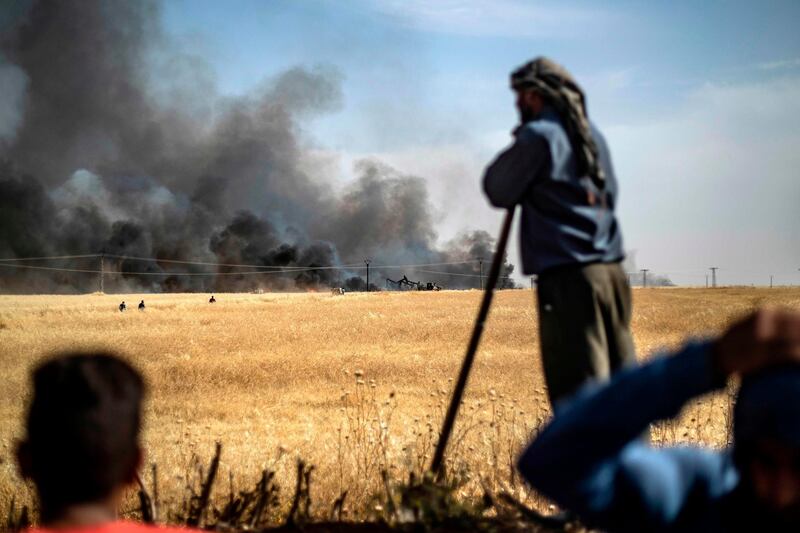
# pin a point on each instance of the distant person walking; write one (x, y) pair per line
(212, 299)
(141, 305)
(122, 306)
(559, 169)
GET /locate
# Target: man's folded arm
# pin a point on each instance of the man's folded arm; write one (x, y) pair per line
(589, 458)
(508, 177)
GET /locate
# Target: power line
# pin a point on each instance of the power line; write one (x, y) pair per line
(353, 266)
(289, 270)
(425, 264)
(32, 267)
(50, 257)
(127, 273)
(205, 263)
(272, 269)
(456, 274)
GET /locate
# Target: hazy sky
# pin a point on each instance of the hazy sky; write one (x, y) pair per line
(700, 105)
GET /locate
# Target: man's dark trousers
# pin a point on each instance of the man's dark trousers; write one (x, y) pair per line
(584, 325)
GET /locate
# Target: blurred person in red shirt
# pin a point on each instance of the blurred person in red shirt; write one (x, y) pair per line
(81, 447)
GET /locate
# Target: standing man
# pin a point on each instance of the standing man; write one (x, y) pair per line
(559, 169)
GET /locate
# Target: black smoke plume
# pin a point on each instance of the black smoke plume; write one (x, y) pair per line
(114, 139)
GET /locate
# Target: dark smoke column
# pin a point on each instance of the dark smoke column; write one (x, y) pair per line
(121, 143)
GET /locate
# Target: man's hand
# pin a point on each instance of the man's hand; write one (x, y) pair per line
(765, 338)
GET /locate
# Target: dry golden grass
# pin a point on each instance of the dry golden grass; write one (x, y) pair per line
(276, 376)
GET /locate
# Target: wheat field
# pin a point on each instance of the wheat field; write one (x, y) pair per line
(353, 384)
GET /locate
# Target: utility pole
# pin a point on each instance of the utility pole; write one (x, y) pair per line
(644, 277)
(102, 274)
(480, 263)
(367, 262)
(770, 281)
(713, 276)
(706, 281)
(531, 282)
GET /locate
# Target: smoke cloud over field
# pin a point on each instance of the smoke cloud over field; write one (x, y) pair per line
(113, 139)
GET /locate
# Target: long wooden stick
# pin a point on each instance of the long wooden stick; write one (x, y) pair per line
(472, 348)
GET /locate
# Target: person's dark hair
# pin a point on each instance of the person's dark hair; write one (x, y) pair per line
(767, 407)
(83, 427)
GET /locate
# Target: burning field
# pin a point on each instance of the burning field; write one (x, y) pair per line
(352, 384)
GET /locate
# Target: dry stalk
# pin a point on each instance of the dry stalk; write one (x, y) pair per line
(200, 503)
(338, 507)
(146, 505)
(299, 513)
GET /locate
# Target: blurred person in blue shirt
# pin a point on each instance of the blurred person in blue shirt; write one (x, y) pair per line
(590, 460)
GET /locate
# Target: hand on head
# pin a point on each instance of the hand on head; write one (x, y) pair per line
(765, 338)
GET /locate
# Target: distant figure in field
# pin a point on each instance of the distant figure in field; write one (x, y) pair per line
(212, 299)
(141, 305)
(122, 306)
(591, 460)
(81, 447)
